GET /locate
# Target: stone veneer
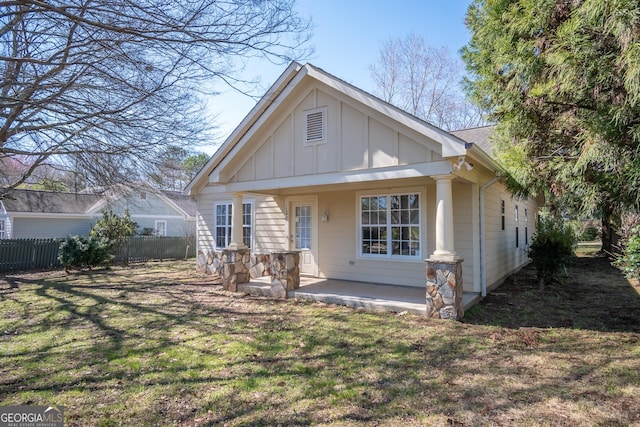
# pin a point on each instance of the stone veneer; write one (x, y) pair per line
(212, 262)
(444, 289)
(285, 272)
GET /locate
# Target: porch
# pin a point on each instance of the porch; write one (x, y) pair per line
(368, 296)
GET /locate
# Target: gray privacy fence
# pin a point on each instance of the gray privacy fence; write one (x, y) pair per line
(31, 254)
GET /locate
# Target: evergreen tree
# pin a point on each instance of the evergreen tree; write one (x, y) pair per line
(562, 80)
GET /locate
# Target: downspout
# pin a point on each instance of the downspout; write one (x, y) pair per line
(483, 242)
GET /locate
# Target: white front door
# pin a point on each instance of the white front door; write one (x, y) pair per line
(303, 235)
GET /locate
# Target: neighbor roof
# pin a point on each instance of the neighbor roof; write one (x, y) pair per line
(32, 201)
(185, 203)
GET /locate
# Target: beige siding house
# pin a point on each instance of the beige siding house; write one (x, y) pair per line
(365, 191)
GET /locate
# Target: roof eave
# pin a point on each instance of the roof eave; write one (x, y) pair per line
(245, 125)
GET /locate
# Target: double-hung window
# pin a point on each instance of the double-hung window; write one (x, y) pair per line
(161, 228)
(390, 225)
(223, 215)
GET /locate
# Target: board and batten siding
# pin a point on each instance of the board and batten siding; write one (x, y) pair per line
(356, 138)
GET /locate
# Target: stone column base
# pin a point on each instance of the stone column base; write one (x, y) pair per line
(444, 289)
(285, 272)
(234, 268)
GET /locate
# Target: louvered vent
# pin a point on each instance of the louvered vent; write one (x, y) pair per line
(315, 127)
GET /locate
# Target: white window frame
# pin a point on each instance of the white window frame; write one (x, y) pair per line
(227, 225)
(388, 225)
(308, 140)
(157, 229)
(3, 228)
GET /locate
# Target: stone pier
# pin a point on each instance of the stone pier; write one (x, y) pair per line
(444, 289)
(235, 270)
(285, 272)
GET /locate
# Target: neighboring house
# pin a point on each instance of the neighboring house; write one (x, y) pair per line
(45, 214)
(364, 190)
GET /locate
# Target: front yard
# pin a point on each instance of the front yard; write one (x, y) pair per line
(158, 344)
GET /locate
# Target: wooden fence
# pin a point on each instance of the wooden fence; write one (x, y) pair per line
(32, 254)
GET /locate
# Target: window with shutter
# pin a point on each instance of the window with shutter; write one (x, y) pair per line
(315, 126)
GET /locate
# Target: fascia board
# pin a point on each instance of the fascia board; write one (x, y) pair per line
(217, 172)
(244, 126)
(451, 145)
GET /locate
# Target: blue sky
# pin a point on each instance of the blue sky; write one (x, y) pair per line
(347, 36)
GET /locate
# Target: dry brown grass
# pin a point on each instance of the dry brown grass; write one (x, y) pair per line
(160, 345)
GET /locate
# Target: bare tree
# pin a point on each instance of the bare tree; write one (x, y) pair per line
(101, 86)
(424, 81)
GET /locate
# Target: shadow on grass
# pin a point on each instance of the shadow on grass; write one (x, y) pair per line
(594, 295)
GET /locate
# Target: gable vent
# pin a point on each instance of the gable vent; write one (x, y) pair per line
(315, 125)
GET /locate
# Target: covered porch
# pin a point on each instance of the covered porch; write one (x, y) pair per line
(368, 296)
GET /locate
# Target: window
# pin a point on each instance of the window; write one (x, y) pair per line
(2, 232)
(390, 225)
(515, 216)
(502, 210)
(161, 228)
(223, 214)
(315, 128)
(526, 227)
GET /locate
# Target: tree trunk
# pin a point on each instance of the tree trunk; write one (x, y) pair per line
(609, 230)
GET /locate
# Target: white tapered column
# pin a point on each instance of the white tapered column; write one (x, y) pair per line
(445, 249)
(237, 241)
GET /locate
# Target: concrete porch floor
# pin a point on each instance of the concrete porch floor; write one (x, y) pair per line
(369, 296)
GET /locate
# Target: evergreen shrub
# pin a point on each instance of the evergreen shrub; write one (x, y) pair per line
(84, 252)
(551, 249)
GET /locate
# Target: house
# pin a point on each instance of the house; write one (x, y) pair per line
(361, 191)
(46, 214)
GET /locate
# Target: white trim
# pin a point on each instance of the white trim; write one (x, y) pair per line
(357, 176)
(49, 215)
(422, 224)
(229, 202)
(273, 94)
(155, 227)
(313, 201)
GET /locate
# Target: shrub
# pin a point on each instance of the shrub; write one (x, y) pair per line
(114, 227)
(589, 234)
(551, 249)
(82, 252)
(629, 260)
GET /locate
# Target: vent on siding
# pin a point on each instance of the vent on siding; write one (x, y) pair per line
(315, 125)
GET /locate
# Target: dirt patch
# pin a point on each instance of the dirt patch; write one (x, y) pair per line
(592, 295)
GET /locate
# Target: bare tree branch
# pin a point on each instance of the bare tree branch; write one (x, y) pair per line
(106, 85)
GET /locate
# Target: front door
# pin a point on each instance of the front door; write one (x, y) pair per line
(303, 236)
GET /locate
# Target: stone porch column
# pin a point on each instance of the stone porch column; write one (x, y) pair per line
(285, 272)
(236, 257)
(444, 220)
(444, 289)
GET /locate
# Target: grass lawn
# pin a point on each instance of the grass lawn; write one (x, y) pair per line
(158, 344)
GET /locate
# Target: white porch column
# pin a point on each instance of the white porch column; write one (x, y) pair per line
(237, 242)
(445, 250)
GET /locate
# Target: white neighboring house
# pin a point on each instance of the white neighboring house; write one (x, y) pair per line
(363, 189)
(46, 214)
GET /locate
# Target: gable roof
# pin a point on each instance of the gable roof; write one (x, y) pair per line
(292, 77)
(32, 201)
